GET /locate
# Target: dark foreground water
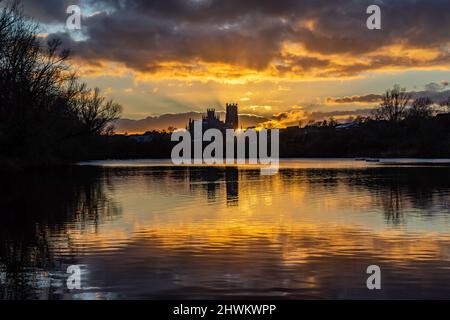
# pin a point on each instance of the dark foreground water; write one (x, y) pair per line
(148, 230)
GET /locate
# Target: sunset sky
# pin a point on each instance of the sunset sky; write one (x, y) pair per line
(284, 60)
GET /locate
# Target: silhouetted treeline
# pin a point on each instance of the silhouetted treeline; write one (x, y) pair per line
(399, 127)
(430, 138)
(46, 115)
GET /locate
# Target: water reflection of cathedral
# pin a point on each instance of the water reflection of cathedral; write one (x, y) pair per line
(232, 185)
(215, 179)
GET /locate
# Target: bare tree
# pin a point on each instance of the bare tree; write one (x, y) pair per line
(421, 108)
(42, 103)
(94, 112)
(332, 122)
(394, 104)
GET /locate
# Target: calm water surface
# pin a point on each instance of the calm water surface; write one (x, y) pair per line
(145, 229)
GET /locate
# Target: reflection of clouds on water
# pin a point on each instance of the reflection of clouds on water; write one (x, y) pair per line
(304, 261)
(212, 232)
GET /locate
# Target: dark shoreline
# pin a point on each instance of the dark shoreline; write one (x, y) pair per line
(15, 165)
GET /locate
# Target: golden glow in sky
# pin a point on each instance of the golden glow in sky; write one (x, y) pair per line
(171, 57)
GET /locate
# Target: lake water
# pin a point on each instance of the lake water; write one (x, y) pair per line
(147, 230)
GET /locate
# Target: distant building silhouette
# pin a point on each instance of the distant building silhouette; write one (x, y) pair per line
(212, 121)
(232, 118)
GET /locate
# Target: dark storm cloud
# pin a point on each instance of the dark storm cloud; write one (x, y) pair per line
(142, 42)
(431, 92)
(369, 98)
(47, 11)
(434, 87)
(251, 33)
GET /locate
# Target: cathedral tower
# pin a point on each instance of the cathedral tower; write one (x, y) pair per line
(232, 118)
